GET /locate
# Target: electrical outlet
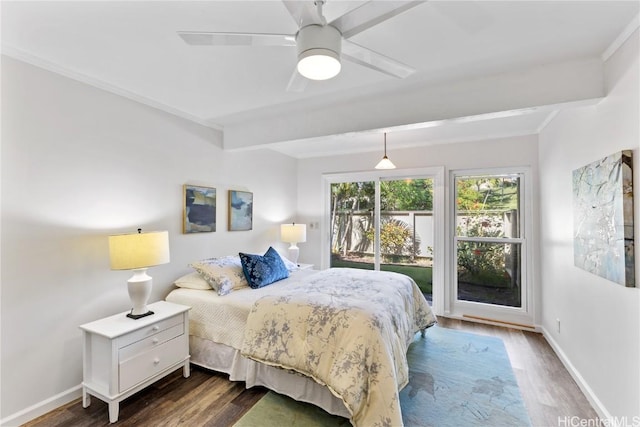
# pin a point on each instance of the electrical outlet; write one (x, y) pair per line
(558, 325)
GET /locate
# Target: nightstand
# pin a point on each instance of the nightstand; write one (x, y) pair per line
(305, 266)
(121, 355)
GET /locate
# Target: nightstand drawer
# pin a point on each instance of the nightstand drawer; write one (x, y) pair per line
(151, 362)
(149, 331)
(147, 343)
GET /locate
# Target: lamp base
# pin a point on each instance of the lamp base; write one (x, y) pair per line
(294, 251)
(139, 316)
(139, 287)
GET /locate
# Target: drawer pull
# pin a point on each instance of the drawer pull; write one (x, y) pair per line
(156, 328)
(156, 361)
(155, 341)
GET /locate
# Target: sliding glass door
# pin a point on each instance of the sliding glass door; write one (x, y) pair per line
(385, 223)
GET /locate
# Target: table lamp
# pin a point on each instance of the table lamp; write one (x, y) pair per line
(137, 252)
(293, 233)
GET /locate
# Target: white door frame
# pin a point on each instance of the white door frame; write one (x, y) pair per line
(514, 316)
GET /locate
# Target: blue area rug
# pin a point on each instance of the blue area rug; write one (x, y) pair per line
(461, 379)
(455, 379)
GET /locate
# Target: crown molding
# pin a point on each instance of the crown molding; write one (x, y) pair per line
(622, 37)
(36, 61)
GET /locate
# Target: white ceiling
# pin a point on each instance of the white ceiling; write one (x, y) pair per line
(131, 48)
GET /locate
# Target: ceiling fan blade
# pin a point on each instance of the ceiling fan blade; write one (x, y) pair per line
(236, 39)
(297, 83)
(370, 14)
(374, 60)
(303, 12)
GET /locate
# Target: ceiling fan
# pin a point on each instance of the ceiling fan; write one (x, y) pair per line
(320, 45)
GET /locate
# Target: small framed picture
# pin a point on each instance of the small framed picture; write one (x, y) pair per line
(199, 214)
(240, 210)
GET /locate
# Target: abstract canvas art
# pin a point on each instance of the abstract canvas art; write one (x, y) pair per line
(603, 218)
(240, 210)
(199, 209)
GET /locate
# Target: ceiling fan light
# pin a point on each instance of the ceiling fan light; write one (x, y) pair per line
(319, 51)
(319, 64)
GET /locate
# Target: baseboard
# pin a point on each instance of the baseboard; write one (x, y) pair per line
(597, 405)
(492, 322)
(41, 408)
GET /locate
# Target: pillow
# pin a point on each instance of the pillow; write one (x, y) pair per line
(223, 274)
(291, 266)
(263, 270)
(192, 281)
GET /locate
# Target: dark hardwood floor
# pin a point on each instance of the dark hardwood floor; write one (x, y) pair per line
(209, 399)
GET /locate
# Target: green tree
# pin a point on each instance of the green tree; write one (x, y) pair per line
(346, 198)
(406, 195)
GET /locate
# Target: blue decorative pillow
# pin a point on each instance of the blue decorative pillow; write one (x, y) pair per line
(263, 270)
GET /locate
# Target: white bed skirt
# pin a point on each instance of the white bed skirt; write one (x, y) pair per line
(222, 358)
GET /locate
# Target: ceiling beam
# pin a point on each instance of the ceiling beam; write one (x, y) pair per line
(550, 84)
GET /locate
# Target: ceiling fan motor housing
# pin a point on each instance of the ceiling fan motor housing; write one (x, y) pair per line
(319, 41)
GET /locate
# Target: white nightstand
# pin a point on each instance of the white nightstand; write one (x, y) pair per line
(121, 355)
(305, 266)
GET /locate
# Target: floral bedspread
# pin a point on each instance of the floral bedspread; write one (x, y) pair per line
(348, 329)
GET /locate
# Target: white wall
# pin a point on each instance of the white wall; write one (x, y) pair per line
(599, 336)
(79, 164)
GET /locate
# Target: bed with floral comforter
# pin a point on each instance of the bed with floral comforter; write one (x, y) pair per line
(347, 329)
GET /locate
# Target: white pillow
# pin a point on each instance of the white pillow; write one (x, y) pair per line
(192, 281)
(223, 274)
(291, 266)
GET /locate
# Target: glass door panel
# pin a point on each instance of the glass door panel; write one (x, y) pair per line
(489, 273)
(406, 229)
(488, 239)
(352, 219)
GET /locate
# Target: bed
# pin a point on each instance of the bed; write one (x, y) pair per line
(335, 338)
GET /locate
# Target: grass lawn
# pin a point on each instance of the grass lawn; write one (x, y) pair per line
(421, 275)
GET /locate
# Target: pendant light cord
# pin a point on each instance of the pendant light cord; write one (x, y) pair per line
(385, 144)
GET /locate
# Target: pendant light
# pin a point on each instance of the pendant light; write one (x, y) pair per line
(385, 163)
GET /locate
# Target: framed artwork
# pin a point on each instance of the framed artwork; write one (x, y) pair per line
(199, 209)
(240, 210)
(603, 241)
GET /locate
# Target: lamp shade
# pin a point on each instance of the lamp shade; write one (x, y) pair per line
(293, 233)
(138, 250)
(385, 163)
